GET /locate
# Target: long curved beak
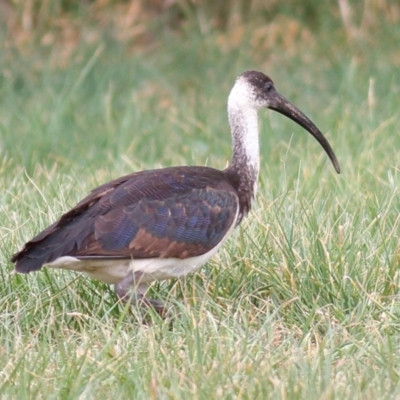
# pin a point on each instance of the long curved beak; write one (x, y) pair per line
(278, 103)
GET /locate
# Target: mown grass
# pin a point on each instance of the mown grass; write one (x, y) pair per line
(302, 302)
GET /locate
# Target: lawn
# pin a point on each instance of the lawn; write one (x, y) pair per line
(302, 302)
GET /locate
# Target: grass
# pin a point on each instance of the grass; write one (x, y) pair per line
(301, 303)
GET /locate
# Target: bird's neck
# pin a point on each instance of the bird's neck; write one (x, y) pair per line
(245, 163)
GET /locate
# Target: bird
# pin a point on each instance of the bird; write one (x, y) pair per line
(165, 223)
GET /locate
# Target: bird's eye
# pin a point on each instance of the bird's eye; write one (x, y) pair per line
(268, 86)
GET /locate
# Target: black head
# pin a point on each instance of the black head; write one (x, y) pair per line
(264, 94)
(260, 82)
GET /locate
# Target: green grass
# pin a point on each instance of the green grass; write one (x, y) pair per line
(301, 303)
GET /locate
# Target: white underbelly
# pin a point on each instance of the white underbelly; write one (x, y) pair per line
(112, 271)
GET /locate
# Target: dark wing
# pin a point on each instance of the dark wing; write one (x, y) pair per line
(174, 212)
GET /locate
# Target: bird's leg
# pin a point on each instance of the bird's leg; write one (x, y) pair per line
(123, 290)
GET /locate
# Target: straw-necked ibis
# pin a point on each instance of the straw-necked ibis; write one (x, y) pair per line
(165, 223)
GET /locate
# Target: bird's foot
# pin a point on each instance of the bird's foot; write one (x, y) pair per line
(158, 306)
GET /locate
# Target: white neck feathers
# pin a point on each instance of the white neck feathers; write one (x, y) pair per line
(242, 113)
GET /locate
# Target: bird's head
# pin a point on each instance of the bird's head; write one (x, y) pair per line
(256, 90)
